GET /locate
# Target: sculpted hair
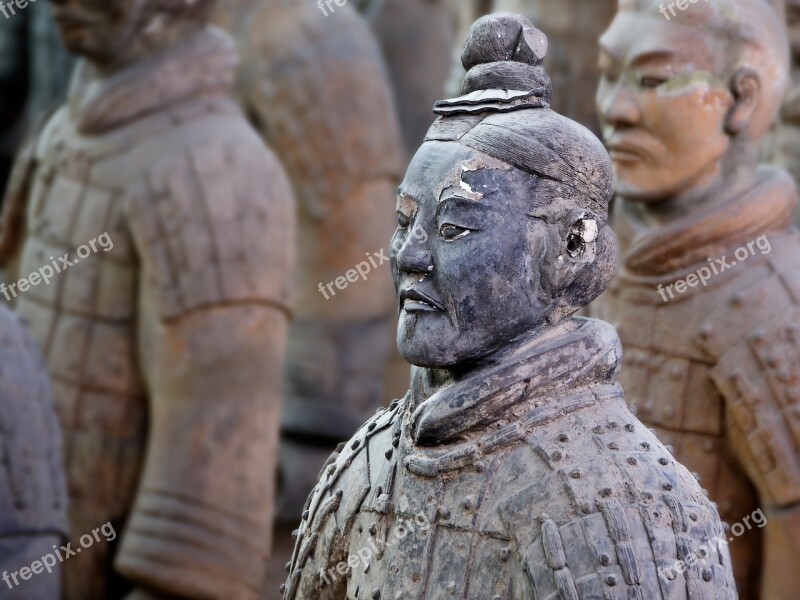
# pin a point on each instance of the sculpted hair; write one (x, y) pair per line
(505, 114)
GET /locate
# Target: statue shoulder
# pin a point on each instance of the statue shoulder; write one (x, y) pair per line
(214, 224)
(344, 482)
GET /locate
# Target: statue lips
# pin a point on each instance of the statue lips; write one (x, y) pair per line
(622, 149)
(412, 300)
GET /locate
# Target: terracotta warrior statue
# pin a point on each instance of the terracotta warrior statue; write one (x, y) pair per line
(152, 234)
(33, 496)
(316, 88)
(706, 302)
(513, 468)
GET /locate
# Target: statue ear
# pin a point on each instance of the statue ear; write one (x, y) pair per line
(578, 246)
(746, 88)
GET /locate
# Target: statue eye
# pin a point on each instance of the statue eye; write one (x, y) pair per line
(450, 232)
(652, 82)
(403, 220)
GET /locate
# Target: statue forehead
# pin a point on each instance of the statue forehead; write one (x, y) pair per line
(439, 167)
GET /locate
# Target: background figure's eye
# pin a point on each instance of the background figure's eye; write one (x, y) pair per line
(652, 82)
(453, 232)
(403, 220)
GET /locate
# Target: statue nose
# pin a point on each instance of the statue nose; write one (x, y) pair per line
(415, 257)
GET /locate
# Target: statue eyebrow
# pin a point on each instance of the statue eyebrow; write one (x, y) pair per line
(651, 55)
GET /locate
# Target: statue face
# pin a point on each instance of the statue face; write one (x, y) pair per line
(98, 29)
(467, 270)
(662, 102)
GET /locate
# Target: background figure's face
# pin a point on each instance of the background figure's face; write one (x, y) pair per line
(662, 103)
(98, 29)
(468, 266)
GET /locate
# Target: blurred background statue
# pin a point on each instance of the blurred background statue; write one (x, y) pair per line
(706, 301)
(513, 468)
(316, 88)
(33, 495)
(163, 320)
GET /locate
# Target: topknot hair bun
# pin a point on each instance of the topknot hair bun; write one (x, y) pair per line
(505, 51)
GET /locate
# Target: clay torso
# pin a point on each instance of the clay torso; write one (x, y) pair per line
(485, 515)
(33, 497)
(162, 175)
(707, 359)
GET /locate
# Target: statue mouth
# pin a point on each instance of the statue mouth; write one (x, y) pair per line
(416, 301)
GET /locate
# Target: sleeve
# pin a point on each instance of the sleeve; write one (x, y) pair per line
(216, 243)
(755, 339)
(215, 227)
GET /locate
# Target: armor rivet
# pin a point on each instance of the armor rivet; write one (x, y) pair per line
(444, 513)
(505, 553)
(605, 492)
(667, 487)
(576, 473)
(373, 529)
(707, 575)
(613, 446)
(479, 467)
(693, 517)
(388, 453)
(563, 438)
(605, 559)
(663, 461)
(557, 456)
(599, 429)
(372, 426)
(468, 502)
(611, 580)
(355, 444)
(630, 427)
(376, 594)
(632, 461)
(646, 446)
(339, 493)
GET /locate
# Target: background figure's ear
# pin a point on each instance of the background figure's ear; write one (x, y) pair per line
(746, 90)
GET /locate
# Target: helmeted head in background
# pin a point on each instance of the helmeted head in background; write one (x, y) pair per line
(111, 32)
(686, 95)
(512, 199)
